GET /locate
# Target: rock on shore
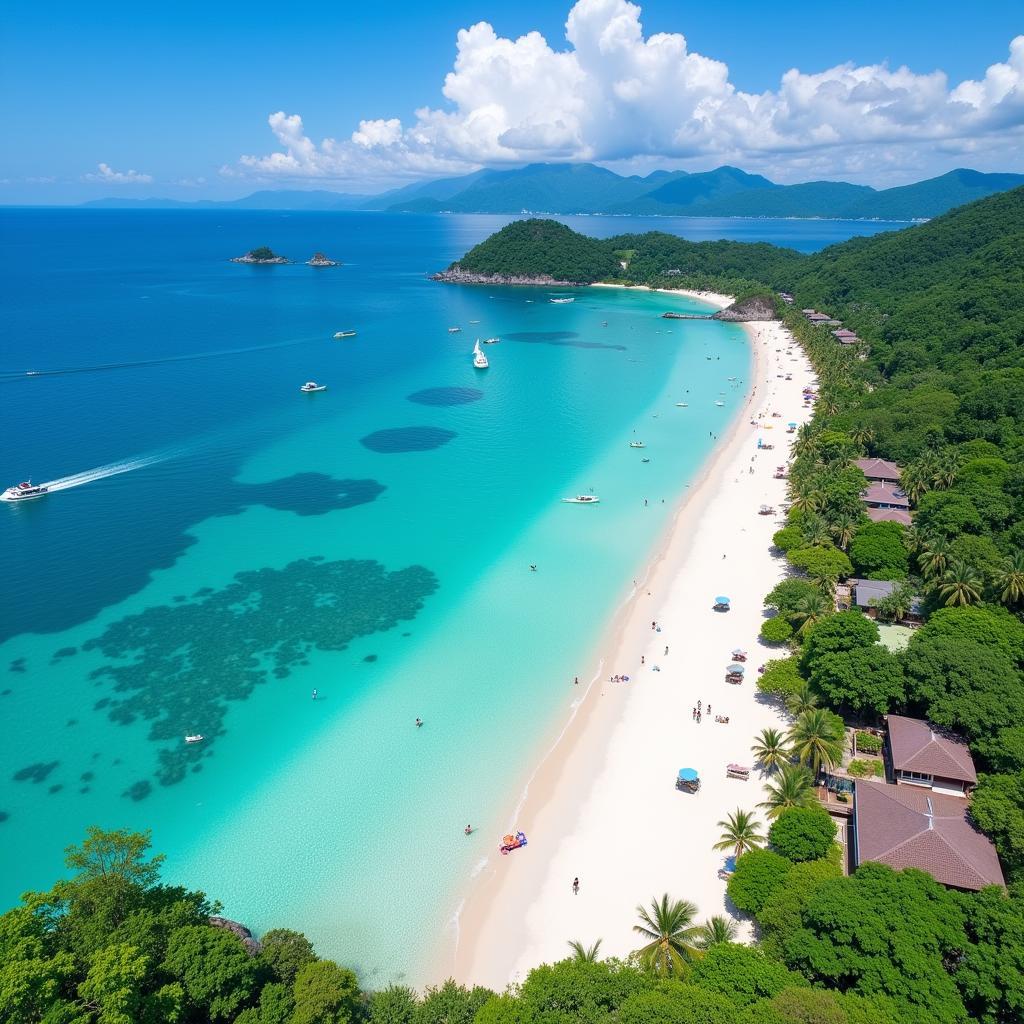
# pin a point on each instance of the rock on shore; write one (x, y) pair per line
(757, 307)
(251, 944)
(456, 275)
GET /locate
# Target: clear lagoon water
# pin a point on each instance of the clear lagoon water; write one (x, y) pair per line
(226, 545)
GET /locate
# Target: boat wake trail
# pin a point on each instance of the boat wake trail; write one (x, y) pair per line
(102, 472)
(10, 375)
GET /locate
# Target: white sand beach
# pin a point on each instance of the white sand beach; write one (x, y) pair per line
(603, 805)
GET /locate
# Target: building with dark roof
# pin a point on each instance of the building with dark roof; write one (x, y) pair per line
(889, 515)
(884, 495)
(880, 470)
(908, 827)
(921, 755)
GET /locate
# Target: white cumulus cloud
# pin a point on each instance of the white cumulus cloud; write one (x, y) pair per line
(615, 95)
(105, 174)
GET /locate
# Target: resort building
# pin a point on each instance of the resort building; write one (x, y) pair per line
(879, 470)
(911, 827)
(786, 298)
(866, 595)
(889, 515)
(921, 756)
(884, 495)
(822, 319)
(845, 337)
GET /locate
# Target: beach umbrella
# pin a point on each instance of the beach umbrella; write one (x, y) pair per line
(738, 669)
(738, 652)
(688, 775)
(792, 424)
(721, 600)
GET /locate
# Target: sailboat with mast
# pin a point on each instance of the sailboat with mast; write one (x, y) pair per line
(479, 359)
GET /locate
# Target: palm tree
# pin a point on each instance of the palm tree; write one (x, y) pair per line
(802, 699)
(770, 750)
(1009, 579)
(793, 787)
(815, 531)
(946, 467)
(862, 437)
(741, 833)
(807, 501)
(934, 556)
(811, 608)
(961, 584)
(716, 931)
(843, 529)
(914, 482)
(817, 739)
(584, 954)
(668, 926)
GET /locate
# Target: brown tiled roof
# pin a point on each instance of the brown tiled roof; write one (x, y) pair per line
(894, 826)
(889, 515)
(880, 469)
(917, 747)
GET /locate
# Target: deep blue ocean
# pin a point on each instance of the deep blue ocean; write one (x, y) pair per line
(218, 546)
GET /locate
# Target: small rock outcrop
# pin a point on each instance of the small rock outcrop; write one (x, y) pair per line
(757, 307)
(320, 260)
(262, 255)
(456, 275)
(252, 945)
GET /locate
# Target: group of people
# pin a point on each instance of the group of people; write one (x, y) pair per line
(699, 712)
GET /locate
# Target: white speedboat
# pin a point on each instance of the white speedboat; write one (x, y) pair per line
(682, 405)
(637, 444)
(454, 330)
(582, 499)
(311, 385)
(719, 403)
(563, 301)
(344, 334)
(479, 359)
(25, 490)
(197, 738)
(474, 321)
(491, 341)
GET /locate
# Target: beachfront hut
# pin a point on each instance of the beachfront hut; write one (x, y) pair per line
(688, 779)
(721, 603)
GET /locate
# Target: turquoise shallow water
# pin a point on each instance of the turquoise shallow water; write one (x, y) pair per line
(372, 542)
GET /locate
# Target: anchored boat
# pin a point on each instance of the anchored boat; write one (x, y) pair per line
(311, 385)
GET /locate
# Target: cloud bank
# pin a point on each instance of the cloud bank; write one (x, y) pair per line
(106, 175)
(615, 95)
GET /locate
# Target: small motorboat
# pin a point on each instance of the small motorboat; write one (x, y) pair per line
(512, 842)
(682, 405)
(645, 460)
(491, 341)
(719, 402)
(637, 444)
(454, 330)
(344, 334)
(474, 321)
(197, 738)
(479, 359)
(25, 490)
(562, 301)
(582, 499)
(311, 385)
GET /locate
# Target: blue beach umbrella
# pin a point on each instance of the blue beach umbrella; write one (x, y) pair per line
(688, 775)
(721, 600)
(792, 424)
(738, 669)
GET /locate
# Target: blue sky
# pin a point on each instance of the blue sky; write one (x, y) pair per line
(181, 93)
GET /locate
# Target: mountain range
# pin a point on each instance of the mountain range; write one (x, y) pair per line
(589, 189)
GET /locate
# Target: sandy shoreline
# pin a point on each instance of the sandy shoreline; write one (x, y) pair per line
(602, 804)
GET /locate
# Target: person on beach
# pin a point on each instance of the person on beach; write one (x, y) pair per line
(468, 830)
(666, 650)
(641, 659)
(575, 887)
(709, 709)
(699, 707)
(576, 681)
(654, 625)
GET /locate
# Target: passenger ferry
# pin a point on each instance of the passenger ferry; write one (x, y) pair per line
(25, 490)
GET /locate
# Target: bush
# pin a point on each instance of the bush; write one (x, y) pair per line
(776, 630)
(785, 597)
(821, 561)
(780, 678)
(879, 547)
(869, 743)
(802, 833)
(844, 631)
(788, 537)
(862, 769)
(758, 874)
